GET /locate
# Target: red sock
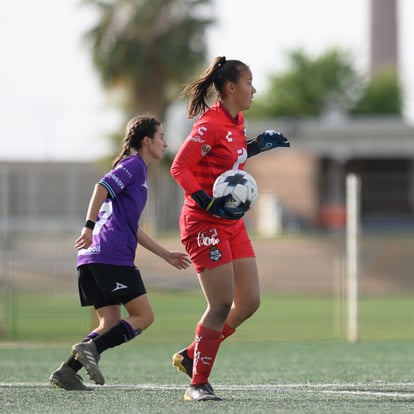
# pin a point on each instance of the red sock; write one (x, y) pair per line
(190, 350)
(207, 343)
(225, 333)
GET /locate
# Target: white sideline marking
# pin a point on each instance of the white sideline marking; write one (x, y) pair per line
(321, 388)
(371, 393)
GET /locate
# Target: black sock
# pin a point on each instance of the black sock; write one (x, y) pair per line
(117, 335)
(74, 363)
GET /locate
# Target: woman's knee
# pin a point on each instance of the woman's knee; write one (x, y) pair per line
(247, 308)
(140, 322)
(107, 322)
(255, 305)
(143, 321)
(252, 305)
(220, 311)
(149, 319)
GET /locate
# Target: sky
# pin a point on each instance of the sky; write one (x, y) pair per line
(53, 107)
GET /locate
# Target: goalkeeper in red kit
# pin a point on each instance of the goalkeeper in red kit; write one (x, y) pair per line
(213, 234)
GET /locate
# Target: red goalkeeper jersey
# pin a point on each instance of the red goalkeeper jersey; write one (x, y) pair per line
(217, 143)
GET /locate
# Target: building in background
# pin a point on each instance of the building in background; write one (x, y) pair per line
(379, 150)
(383, 36)
(304, 186)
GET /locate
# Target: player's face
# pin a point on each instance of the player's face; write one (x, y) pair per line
(245, 90)
(158, 144)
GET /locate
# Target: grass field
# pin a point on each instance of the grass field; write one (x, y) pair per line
(291, 357)
(310, 377)
(56, 317)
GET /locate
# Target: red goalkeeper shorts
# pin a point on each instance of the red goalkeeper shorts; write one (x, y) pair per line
(212, 244)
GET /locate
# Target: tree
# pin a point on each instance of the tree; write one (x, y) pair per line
(382, 96)
(148, 48)
(310, 86)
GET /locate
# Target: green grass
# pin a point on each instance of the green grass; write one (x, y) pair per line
(290, 357)
(59, 318)
(283, 377)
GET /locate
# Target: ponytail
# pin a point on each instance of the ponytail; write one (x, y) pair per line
(216, 75)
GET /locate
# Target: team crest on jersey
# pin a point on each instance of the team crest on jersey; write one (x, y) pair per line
(205, 149)
(215, 254)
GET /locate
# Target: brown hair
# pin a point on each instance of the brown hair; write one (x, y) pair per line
(136, 130)
(217, 74)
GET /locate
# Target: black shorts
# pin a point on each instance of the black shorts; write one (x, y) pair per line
(104, 285)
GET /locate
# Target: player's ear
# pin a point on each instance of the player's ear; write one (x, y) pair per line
(229, 88)
(146, 140)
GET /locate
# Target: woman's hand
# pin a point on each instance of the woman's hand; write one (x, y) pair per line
(84, 240)
(178, 259)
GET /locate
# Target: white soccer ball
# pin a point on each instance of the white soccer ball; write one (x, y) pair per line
(240, 184)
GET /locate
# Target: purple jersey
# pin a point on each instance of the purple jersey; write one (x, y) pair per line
(115, 233)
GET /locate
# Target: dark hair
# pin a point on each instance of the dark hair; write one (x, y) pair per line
(217, 74)
(136, 130)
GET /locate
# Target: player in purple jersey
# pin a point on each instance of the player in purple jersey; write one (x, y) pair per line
(107, 276)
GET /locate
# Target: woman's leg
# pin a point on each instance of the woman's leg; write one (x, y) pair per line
(217, 286)
(246, 291)
(140, 316)
(140, 312)
(246, 298)
(66, 375)
(124, 330)
(107, 317)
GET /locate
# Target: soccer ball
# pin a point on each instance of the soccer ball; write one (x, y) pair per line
(240, 184)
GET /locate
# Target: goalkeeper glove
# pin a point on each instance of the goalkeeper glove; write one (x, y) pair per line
(216, 206)
(266, 141)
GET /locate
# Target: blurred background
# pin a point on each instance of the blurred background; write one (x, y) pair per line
(337, 78)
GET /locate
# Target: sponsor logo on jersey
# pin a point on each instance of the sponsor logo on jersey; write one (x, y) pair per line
(200, 133)
(96, 249)
(117, 180)
(208, 238)
(229, 138)
(123, 168)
